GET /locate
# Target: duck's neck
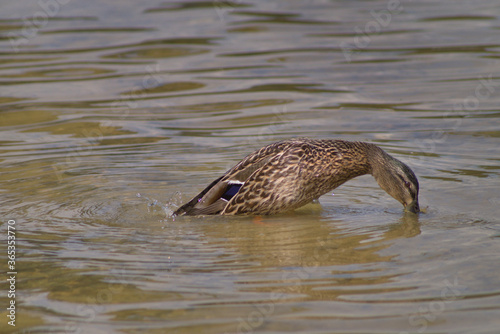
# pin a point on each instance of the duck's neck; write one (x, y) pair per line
(380, 165)
(376, 158)
(356, 159)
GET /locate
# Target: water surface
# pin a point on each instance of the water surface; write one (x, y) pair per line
(114, 114)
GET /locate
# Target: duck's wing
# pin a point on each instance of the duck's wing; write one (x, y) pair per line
(280, 184)
(214, 198)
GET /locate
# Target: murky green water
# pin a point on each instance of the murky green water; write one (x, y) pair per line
(114, 113)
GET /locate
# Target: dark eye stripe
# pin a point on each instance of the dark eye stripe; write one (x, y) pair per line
(406, 183)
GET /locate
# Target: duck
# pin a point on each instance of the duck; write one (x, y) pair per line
(291, 173)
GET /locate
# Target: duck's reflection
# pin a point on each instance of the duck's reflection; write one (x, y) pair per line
(311, 255)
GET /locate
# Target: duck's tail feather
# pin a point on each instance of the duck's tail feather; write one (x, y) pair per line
(189, 207)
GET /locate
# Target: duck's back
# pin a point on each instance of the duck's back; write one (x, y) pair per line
(280, 177)
(297, 172)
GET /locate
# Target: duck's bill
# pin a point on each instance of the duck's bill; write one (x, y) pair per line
(413, 207)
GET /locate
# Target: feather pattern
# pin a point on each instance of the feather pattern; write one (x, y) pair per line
(289, 174)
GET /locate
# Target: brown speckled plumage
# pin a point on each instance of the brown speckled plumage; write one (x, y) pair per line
(289, 174)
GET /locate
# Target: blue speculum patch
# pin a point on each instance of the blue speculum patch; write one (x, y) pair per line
(232, 190)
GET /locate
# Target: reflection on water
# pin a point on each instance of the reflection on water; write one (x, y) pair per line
(112, 116)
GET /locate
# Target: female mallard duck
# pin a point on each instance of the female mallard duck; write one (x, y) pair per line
(291, 173)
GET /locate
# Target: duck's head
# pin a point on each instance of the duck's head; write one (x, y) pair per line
(399, 181)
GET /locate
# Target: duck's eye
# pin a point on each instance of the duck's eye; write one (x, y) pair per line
(407, 184)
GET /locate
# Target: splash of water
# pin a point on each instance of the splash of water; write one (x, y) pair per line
(172, 203)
